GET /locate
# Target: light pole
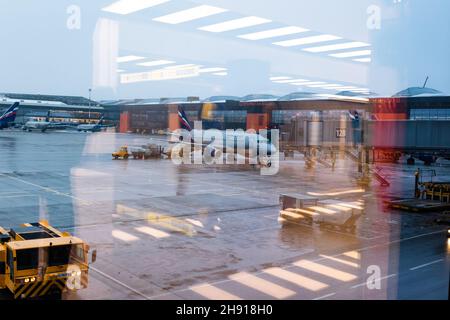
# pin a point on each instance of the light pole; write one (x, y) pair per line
(90, 91)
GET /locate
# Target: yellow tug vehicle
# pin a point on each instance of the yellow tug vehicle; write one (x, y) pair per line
(37, 260)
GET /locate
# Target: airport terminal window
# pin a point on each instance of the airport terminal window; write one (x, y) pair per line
(190, 114)
(284, 116)
(27, 259)
(430, 114)
(236, 116)
(58, 255)
(227, 116)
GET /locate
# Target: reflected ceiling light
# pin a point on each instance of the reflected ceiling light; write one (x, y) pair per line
(292, 214)
(123, 236)
(159, 75)
(181, 66)
(337, 193)
(153, 232)
(120, 70)
(353, 254)
(363, 60)
(213, 293)
(313, 86)
(262, 285)
(308, 83)
(279, 78)
(340, 208)
(325, 270)
(340, 46)
(348, 263)
(334, 88)
(343, 98)
(155, 63)
(347, 88)
(272, 33)
(235, 24)
(195, 222)
(322, 209)
(361, 90)
(190, 14)
(324, 86)
(129, 58)
(130, 6)
(220, 73)
(291, 81)
(350, 205)
(297, 279)
(307, 40)
(351, 54)
(205, 70)
(309, 212)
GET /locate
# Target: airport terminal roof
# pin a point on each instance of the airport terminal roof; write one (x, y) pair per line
(356, 94)
(298, 96)
(68, 100)
(259, 97)
(418, 92)
(150, 101)
(294, 96)
(221, 98)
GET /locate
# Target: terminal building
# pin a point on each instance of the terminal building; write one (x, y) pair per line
(59, 108)
(267, 111)
(413, 104)
(415, 119)
(227, 112)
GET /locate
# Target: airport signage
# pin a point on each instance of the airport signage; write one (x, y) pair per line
(340, 133)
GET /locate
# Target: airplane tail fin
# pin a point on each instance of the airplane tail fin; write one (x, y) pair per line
(101, 120)
(184, 122)
(10, 114)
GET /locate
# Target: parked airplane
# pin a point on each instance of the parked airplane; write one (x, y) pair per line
(97, 127)
(243, 144)
(45, 125)
(8, 117)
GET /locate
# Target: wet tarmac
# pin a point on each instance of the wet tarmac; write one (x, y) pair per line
(164, 231)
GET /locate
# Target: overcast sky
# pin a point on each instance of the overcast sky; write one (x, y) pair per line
(66, 47)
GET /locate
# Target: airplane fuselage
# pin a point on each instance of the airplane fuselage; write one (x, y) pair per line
(43, 126)
(238, 142)
(89, 127)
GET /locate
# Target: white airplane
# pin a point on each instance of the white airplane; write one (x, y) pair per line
(96, 127)
(43, 126)
(242, 144)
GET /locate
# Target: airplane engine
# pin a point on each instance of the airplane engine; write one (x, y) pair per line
(212, 152)
(265, 161)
